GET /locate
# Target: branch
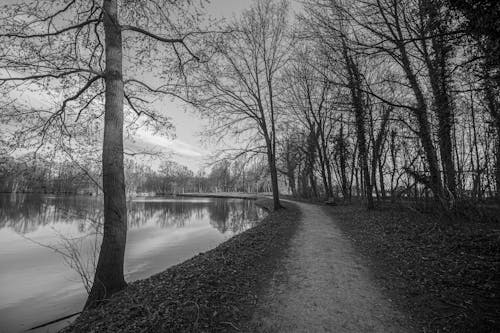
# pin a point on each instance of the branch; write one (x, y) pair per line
(132, 106)
(48, 34)
(52, 75)
(157, 89)
(87, 104)
(79, 93)
(69, 99)
(161, 39)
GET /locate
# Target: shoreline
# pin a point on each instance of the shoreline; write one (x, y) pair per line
(228, 195)
(213, 291)
(222, 195)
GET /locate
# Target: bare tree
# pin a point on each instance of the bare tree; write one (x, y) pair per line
(421, 98)
(238, 86)
(433, 29)
(308, 98)
(355, 87)
(95, 53)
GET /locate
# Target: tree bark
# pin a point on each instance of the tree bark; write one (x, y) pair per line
(327, 165)
(274, 178)
(291, 165)
(359, 112)
(291, 183)
(381, 177)
(109, 271)
(425, 135)
(494, 110)
(497, 164)
(437, 66)
(342, 161)
(324, 176)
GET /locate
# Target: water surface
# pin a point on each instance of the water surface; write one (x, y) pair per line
(37, 283)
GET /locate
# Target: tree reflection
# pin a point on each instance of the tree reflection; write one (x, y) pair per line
(234, 215)
(25, 213)
(79, 236)
(165, 214)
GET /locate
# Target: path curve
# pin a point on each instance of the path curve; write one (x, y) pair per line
(322, 285)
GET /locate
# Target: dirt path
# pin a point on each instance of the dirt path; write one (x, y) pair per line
(323, 286)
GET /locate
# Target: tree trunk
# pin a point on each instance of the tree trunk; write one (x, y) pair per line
(291, 182)
(109, 277)
(329, 175)
(446, 147)
(311, 156)
(326, 175)
(393, 153)
(420, 112)
(363, 155)
(374, 178)
(359, 112)
(343, 162)
(291, 165)
(314, 186)
(274, 177)
(494, 110)
(437, 66)
(381, 176)
(323, 169)
(497, 164)
(378, 147)
(328, 167)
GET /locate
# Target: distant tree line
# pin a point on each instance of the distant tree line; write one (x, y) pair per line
(173, 178)
(44, 175)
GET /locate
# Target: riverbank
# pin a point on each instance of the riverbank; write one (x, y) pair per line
(442, 272)
(226, 195)
(214, 291)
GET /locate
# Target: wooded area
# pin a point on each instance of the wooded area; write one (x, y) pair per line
(375, 99)
(46, 176)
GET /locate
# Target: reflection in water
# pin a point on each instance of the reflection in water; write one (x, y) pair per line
(38, 287)
(226, 215)
(25, 213)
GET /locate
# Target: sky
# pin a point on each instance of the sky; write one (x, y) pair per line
(189, 147)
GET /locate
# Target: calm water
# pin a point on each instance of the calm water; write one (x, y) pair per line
(37, 285)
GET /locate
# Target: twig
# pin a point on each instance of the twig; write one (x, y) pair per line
(230, 324)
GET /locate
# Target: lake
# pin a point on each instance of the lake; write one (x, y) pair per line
(37, 232)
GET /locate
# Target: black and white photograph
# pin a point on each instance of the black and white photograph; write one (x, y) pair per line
(250, 166)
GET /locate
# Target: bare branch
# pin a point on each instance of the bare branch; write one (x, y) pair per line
(48, 34)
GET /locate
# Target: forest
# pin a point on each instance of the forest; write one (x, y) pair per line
(372, 98)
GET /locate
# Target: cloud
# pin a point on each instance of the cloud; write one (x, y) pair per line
(175, 146)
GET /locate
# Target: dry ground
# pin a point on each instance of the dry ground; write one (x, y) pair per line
(322, 285)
